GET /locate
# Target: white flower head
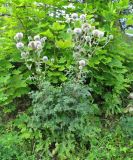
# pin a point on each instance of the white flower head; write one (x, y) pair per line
(24, 55)
(68, 20)
(87, 38)
(38, 45)
(89, 56)
(101, 34)
(86, 27)
(18, 36)
(52, 60)
(32, 45)
(29, 66)
(43, 39)
(35, 45)
(78, 31)
(82, 17)
(45, 58)
(92, 20)
(76, 55)
(71, 6)
(37, 38)
(80, 67)
(67, 16)
(74, 16)
(51, 14)
(29, 38)
(98, 33)
(95, 32)
(77, 47)
(130, 109)
(82, 63)
(20, 45)
(69, 30)
(111, 37)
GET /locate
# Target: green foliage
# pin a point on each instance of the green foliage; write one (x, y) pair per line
(65, 119)
(12, 81)
(109, 73)
(65, 112)
(126, 123)
(112, 145)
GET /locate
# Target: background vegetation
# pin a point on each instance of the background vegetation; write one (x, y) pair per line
(68, 98)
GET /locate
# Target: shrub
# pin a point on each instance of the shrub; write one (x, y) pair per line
(66, 116)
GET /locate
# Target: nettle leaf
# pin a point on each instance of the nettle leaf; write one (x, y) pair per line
(64, 44)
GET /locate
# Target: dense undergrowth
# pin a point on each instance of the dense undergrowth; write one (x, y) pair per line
(65, 81)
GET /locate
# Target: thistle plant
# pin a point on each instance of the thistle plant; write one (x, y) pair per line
(87, 39)
(32, 54)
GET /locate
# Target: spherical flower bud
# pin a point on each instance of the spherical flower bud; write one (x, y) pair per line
(98, 33)
(20, 45)
(43, 39)
(130, 95)
(68, 20)
(32, 45)
(29, 38)
(45, 58)
(29, 66)
(38, 4)
(35, 45)
(37, 38)
(76, 55)
(38, 42)
(82, 63)
(82, 17)
(77, 48)
(87, 38)
(77, 31)
(69, 30)
(89, 56)
(74, 16)
(18, 36)
(80, 67)
(52, 60)
(92, 20)
(39, 47)
(86, 27)
(95, 32)
(24, 54)
(71, 6)
(101, 34)
(130, 109)
(51, 14)
(67, 16)
(111, 37)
